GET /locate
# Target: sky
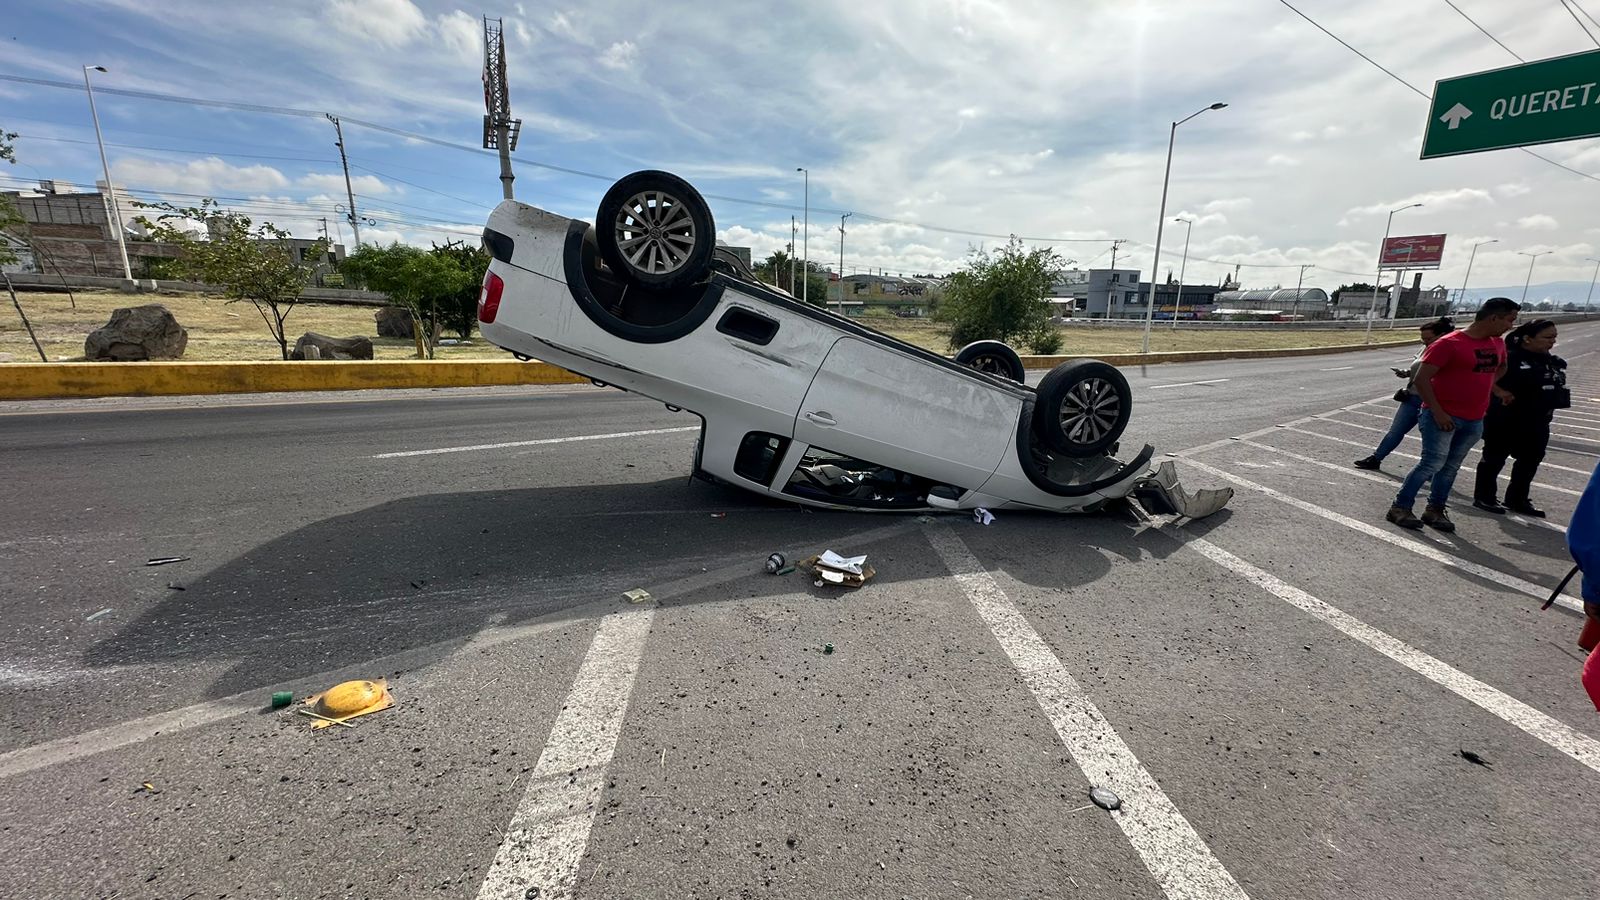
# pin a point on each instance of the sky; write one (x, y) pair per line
(943, 125)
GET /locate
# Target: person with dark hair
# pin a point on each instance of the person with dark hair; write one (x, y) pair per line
(1405, 418)
(1518, 424)
(1457, 374)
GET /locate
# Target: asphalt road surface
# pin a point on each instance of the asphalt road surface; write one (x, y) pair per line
(1291, 699)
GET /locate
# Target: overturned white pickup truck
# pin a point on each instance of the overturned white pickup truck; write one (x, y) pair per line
(795, 401)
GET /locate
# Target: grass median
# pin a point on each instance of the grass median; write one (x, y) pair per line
(219, 330)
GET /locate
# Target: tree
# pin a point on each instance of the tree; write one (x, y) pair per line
(12, 223)
(777, 268)
(8, 146)
(248, 261)
(425, 284)
(462, 314)
(1000, 295)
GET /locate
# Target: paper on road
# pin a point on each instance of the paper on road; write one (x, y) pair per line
(850, 564)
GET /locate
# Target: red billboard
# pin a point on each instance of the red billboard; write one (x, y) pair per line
(1419, 251)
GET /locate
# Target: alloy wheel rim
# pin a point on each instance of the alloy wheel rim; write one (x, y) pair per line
(1090, 410)
(655, 232)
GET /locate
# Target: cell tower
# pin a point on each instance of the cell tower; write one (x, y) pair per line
(500, 131)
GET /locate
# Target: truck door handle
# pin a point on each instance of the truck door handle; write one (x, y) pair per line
(821, 418)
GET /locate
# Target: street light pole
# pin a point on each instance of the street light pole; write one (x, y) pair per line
(1183, 269)
(791, 256)
(1376, 279)
(111, 189)
(1592, 280)
(1463, 297)
(1532, 258)
(805, 241)
(841, 261)
(1161, 221)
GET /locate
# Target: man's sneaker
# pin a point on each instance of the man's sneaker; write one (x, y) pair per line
(1489, 505)
(1436, 517)
(1370, 462)
(1403, 517)
(1526, 508)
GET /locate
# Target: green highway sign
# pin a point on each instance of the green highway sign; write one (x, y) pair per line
(1534, 103)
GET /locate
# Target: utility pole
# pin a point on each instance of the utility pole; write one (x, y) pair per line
(355, 223)
(1299, 282)
(500, 131)
(1114, 245)
(791, 256)
(1592, 279)
(805, 242)
(841, 261)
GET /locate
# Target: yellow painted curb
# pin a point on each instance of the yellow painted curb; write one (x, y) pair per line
(43, 381)
(1147, 359)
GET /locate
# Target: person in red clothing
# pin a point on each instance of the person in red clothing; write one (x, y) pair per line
(1456, 378)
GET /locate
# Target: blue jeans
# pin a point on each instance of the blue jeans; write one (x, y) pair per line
(1405, 419)
(1442, 452)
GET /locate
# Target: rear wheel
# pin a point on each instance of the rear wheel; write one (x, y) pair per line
(1083, 407)
(655, 230)
(992, 357)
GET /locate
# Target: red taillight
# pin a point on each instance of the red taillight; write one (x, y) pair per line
(489, 297)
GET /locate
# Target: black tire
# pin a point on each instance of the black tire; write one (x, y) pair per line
(1082, 408)
(994, 358)
(655, 230)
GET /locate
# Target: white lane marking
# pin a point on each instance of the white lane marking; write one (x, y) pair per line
(1414, 436)
(1368, 476)
(1337, 369)
(1172, 850)
(1536, 724)
(1223, 442)
(1421, 549)
(537, 443)
(1157, 387)
(550, 828)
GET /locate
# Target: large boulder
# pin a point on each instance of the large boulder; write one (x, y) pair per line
(394, 322)
(319, 346)
(139, 332)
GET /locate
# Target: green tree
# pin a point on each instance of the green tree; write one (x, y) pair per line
(1000, 296)
(8, 146)
(248, 261)
(425, 284)
(461, 314)
(12, 223)
(777, 268)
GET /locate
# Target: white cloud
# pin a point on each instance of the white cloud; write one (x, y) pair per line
(210, 175)
(1282, 160)
(362, 184)
(1538, 222)
(619, 56)
(462, 34)
(1513, 189)
(1457, 198)
(388, 23)
(1229, 204)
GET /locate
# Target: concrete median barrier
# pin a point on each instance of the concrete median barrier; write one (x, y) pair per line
(43, 381)
(1150, 359)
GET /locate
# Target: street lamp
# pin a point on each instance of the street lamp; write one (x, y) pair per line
(1161, 221)
(1373, 309)
(111, 189)
(805, 240)
(1591, 281)
(1532, 258)
(1183, 269)
(1463, 297)
(841, 261)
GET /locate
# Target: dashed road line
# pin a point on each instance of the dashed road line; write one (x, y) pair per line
(548, 833)
(1536, 724)
(1413, 436)
(535, 443)
(1172, 850)
(1157, 387)
(1519, 585)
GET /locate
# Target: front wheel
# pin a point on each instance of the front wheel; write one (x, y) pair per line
(655, 230)
(993, 357)
(1083, 407)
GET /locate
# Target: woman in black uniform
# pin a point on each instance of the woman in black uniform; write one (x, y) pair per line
(1518, 424)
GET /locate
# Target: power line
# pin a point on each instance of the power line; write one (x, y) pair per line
(1482, 29)
(62, 140)
(1420, 93)
(1585, 28)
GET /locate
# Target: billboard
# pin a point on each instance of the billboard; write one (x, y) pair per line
(1418, 251)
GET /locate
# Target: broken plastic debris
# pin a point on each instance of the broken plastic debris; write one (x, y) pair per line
(163, 560)
(348, 700)
(103, 612)
(843, 564)
(1105, 798)
(146, 788)
(637, 595)
(982, 516)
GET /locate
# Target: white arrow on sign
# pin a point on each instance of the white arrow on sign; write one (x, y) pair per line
(1455, 115)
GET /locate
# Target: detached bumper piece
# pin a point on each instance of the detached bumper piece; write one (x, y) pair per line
(1160, 494)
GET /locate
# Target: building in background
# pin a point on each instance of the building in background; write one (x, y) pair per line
(1274, 303)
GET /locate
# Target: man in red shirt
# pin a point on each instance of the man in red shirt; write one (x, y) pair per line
(1457, 375)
